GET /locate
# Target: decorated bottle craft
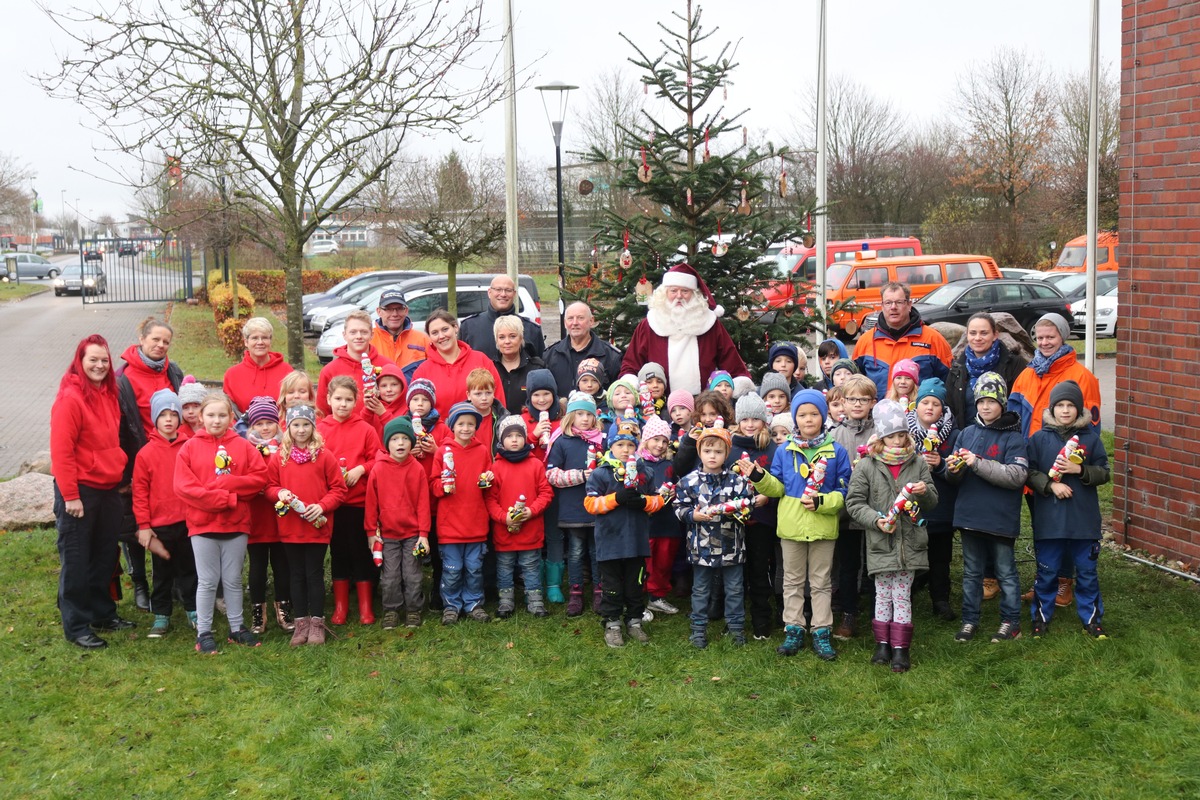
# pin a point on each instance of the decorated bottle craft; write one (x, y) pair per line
(448, 475)
(932, 440)
(1072, 451)
(815, 477)
(593, 457)
(299, 506)
(222, 461)
(377, 552)
(905, 503)
(631, 476)
(342, 467)
(544, 416)
(646, 400)
(418, 427)
(370, 373)
(667, 490)
(739, 509)
(514, 512)
(737, 468)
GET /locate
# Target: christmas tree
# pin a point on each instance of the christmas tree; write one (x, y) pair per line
(700, 191)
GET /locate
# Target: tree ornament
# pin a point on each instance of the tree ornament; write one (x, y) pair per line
(690, 204)
(744, 206)
(706, 153)
(782, 177)
(745, 137)
(743, 313)
(644, 170)
(626, 259)
(807, 239)
(719, 247)
(586, 187)
(642, 291)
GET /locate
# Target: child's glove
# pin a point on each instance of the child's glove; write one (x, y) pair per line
(629, 497)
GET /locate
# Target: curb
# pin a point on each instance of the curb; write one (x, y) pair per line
(41, 290)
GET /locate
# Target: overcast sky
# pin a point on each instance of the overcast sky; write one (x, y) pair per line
(908, 53)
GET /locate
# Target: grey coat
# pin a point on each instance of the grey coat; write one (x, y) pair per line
(872, 490)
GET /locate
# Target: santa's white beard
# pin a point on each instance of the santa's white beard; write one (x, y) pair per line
(689, 319)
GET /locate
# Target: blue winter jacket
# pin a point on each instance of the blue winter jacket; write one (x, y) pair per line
(569, 454)
(663, 523)
(623, 532)
(768, 514)
(989, 494)
(1078, 516)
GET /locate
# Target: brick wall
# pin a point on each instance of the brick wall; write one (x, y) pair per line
(1156, 469)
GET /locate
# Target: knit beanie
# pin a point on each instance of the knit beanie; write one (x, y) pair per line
(783, 349)
(581, 401)
(192, 393)
(628, 382)
(811, 397)
(1064, 328)
(656, 427)
(681, 397)
(751, 406)
(906, 366)
(539, 380)
(651, 369)
(990, 384)
(843, 363)
(718, 377)
(459, 409)
(717, 431)
(262, 408)
(888, 416)
(783, 421)
(512, 422)
(302, 411)
(932, 387)
(164, 400)
(1067, 390)
(401, 426)
(774, 381)
(593, 367)
(422, 386)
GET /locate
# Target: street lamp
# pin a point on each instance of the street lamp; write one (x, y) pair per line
(561, 90)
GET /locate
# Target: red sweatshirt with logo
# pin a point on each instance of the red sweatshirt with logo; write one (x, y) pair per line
(316, 481)
(398, 503)
(218, 503)
(462, 515)
(355, 441)
(155, 503)
(526, 477)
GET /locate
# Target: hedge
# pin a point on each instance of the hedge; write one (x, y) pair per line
(229, 327)
(267, 285)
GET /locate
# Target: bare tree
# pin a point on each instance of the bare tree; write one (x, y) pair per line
(1070, 149)
(454, 212)
(14, 194)
(275, 103)
(612, 114)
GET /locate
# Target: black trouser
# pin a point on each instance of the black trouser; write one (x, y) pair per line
(135, 554)
(306, 562)
(435, 562)
(622, 582)
(349, 547)
(760, 557)
(262, 555)
(941, 551)
(847, 553)
(87, 553)
(179, 571)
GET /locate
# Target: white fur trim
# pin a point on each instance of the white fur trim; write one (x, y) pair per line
(742, 385)
(683, 279)
(719, 310)
(683, 362)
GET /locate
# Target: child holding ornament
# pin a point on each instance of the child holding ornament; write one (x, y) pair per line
(776, 392)
(666, 535)
(622, 401)
(932, 427)
(857, 396)
(906, 373)
(481, 394)
(352, 442)
(654, 377)
(782, 428)
(357, 359)
(217, 474)
(750, 439)
(591, 379)
(542, 411)
(389, 400)
(897, 544)
(191, 394)
(681, 407)
(516, 501)
(263, 547)
(574, 453)
(721, 382)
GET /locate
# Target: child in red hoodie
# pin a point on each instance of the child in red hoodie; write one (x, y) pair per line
(304, 478)
(217, 474)
(431, 433)
(388, 401)
(516, 501)
(462, 464)
(161, 528)
(397, 517)
(354, 444)
(264, 548)
(542, 412)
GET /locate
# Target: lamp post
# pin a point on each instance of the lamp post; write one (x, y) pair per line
(556, 125)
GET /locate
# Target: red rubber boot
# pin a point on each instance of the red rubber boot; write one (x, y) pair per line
(341, 602)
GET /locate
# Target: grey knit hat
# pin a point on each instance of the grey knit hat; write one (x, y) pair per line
(513, 422)
(783, 420)
(1064, 328)
(772, 381)
(888, 416)
(751, 406)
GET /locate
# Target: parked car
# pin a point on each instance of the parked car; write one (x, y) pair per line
(29, 265)
(336, 295)
(1073, 285)
(1025, 300)
(796, 262)
(44, 250)
(1021, 274)
(129, 249)
(429, 293)
(81, 279)
(93, 253)
(1106, 315)
(1074, 253)
(322, 247)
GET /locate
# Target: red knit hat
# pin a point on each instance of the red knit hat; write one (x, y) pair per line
(685, 275)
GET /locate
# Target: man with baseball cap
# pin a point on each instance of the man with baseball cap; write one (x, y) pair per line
(394, 335)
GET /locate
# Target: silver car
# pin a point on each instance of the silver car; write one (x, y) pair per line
(74, 278)
(28, 265)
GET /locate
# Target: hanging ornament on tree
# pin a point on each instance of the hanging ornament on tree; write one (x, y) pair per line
(706, 154)
(626, 259)
(743, 313)
(642, 291)
(744, 206)
(586, 187)
(595, 259)
(644, 170)
(782, 177)
(807, 238)
(745, 137)
(691, 206)
(724, 91)
(719, 247)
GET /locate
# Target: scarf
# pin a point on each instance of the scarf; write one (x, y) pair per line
(302, 455)
(516, 456)
(1041, 364)
(977, 365)
(810, 444)
(157, 366)
(895, 456)
(265, 446)
(943, 427)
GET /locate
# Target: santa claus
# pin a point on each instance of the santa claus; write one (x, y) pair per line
(682, 331)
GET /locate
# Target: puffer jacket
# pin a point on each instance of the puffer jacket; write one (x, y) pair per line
(787, 480)
(989, 494)
(872, 492)
(1078, 516)
(721, 542)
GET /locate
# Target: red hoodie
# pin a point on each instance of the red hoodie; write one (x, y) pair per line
(355, 441)
(85, 444)
(526, 477)
(531, 422)
(396, 408)
(462, 516)
(264, 522)
(317, 481)
(451, 379)
(345, 364)
(155, 503)
(441, 434)
(218, 503)
(398, 504)
(144, 382)
(247, 380)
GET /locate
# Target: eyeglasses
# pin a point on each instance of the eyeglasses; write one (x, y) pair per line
(502, 291)
(894, 303)
(857, 401)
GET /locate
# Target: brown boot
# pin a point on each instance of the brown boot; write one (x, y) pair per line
(991, 588)
(1028, 596)
(300, 634)
(316, 630)
(258, 619)
(1066, 592)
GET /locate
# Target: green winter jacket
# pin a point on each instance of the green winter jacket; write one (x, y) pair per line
(786, 481)
(872, 491)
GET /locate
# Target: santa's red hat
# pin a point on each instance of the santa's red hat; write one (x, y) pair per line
(685, 275)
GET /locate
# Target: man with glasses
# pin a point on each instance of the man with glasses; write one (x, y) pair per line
(900, 333)
(478, 330)
(394, 335)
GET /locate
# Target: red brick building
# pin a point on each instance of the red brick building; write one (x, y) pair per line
(1156, 469)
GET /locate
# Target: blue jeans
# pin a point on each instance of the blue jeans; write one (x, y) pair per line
(703, 581)
(582, 539)
(530, 562)
(976, 547)
(1058, 556)
(555, 549)
(462, 575)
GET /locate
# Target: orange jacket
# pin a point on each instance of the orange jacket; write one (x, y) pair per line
(403, 348)
(1029, 395)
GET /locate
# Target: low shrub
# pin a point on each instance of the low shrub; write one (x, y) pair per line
(220, 299)
(269, 287)
(230, 334)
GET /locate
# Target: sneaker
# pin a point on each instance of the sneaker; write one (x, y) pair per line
(637, 633)
(846, 628)
(206, 644)
(1095, 630)
(738, 638)
(966, 633)
(412, 619)
(1008, 631)
(1040, 628)
(991, 588)
(647, 615)
(822, 644)
(450, 616)
(612, 635)
(391, 620)
(761, 637)
(244, 637)
(191, 618)
(661, 605)
(699, 638)
(162, 624)
(942, 610)
(479, 615)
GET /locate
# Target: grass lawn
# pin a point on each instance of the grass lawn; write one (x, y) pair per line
(1103, 346)
(196, 348)
(14, 291)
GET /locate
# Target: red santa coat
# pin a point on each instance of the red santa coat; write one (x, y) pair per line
(355, 441)
(317, 481)
(398, 504)
(462, 516)
(247, 380)
(218, 503)
(345, 364)
(528, 478)
(713, 350)
(154, 502)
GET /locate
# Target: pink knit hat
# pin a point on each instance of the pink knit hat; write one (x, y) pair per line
(656, 426)
(906, 366)
(681, 397)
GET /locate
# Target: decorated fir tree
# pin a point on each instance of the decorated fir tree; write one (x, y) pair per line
(699, 190)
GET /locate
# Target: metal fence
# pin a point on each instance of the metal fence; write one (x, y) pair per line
(132, 271)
